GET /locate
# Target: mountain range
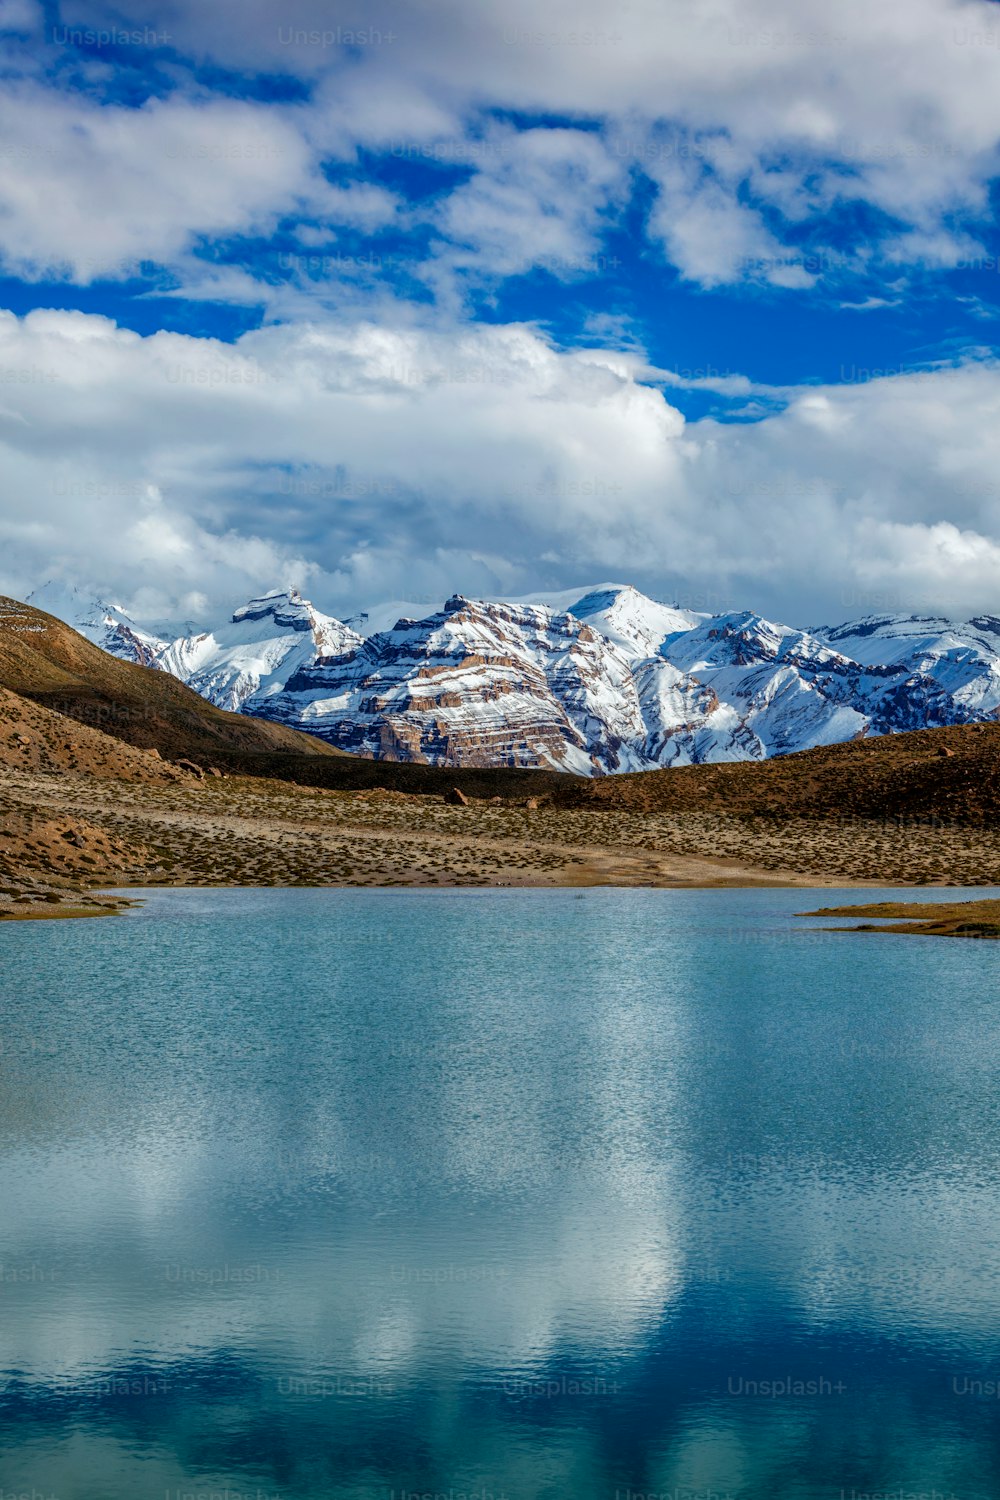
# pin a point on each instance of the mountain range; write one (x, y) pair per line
(594, 681)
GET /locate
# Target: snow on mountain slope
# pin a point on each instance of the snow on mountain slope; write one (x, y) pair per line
(798, 689)
(598, 681)
(774, 689)
(963, 659)
(266, 641)
(637, 625)
(561, 601)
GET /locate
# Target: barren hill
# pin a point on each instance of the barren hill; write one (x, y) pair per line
(35, 738)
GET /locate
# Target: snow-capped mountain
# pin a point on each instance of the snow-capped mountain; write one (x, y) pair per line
(599, 681)
(962, 660)
(476, 684)
(254, 654)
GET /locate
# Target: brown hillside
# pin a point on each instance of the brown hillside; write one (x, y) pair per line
(943, 775)
(34, 738)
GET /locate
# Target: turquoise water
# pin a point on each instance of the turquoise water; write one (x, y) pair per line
(497, 1193)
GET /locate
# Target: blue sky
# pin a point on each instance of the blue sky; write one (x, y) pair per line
(389, 301)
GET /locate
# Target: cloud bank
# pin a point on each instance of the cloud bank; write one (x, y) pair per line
(364, 463)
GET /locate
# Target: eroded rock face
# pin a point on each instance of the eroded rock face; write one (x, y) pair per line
(479, 684)
(192, 769)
